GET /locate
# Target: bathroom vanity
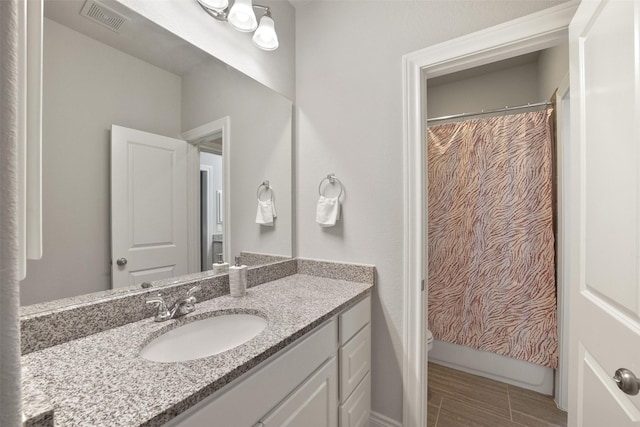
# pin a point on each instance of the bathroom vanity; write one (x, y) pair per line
(323, 380)
(308, 367)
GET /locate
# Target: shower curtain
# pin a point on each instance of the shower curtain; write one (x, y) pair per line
(491, 235)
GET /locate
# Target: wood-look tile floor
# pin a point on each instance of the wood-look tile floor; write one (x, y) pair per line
(458, 399)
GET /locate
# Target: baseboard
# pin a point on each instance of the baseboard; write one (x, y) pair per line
(379, 420)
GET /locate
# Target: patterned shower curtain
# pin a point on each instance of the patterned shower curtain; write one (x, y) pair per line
(491, 236)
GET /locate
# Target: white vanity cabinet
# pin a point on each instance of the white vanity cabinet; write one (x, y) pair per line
(322, 381)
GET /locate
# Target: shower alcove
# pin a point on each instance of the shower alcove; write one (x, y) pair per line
(520, 80)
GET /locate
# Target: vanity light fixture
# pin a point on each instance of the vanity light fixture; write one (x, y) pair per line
(241, 16)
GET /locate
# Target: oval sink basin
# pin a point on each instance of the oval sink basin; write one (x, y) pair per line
(204, 338)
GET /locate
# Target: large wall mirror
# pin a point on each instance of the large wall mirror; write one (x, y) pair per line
(197, 140)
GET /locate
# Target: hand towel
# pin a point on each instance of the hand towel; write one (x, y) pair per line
(328, 211)
(266, 212)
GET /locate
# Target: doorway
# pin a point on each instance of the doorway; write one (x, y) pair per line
(502, 94)
(524, 35)
(208, 156)
(211, 236)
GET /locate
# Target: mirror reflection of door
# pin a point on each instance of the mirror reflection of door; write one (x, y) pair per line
(148, 207)
(211, 235)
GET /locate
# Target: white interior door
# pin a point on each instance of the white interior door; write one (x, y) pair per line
(148, 207)
(605, 216)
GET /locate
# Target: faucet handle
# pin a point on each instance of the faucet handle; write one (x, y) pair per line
(163, 312)
(190, 298)
(193, 290)
(156, 299)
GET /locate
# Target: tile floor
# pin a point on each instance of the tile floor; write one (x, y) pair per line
(458, 399)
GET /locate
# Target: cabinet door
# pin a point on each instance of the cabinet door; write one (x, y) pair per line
(313, 404)
(357, 409)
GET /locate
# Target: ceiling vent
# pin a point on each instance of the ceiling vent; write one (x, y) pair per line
(103, 15)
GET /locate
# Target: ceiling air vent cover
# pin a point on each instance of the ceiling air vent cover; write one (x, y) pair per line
(103, 15)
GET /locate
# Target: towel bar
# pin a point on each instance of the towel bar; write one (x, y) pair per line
(267, 186)
(332, 180)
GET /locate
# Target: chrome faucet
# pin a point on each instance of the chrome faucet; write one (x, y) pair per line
(180, 308)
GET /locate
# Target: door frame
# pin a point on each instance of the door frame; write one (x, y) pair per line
(196, 139)
(561, 381)
(208, 170)
(527, 34)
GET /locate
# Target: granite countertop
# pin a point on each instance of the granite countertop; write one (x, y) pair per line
(100, 380)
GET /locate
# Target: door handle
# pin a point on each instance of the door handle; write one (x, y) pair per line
(121, 262)
(627, 381)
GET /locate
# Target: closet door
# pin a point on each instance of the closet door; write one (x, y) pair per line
(605, 214)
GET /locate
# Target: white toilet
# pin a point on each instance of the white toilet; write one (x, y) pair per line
(429, 341)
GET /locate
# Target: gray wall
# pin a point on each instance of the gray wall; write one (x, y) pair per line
(532, 82)
(553, 66)
(88, 86)
(349, 121)
(260, 149)
(512, 86)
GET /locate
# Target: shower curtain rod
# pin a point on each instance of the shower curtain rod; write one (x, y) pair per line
(499, 110)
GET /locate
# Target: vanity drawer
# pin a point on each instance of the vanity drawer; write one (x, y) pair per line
(354, 319)
(355, 362)
(356, 410)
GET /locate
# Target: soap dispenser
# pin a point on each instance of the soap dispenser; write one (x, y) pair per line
(220, 267)
(238, 279)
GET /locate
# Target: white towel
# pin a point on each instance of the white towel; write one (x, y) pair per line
(328, 211)
(266, 212)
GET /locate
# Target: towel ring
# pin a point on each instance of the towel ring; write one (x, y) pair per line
(332, 180)
(267, 186)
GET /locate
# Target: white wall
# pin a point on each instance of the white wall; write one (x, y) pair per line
(88, 86)
(260, 149)
(186, 19)
(349, 121)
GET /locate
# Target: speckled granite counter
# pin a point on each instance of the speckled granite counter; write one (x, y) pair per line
(100, 380)
(52, 323)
